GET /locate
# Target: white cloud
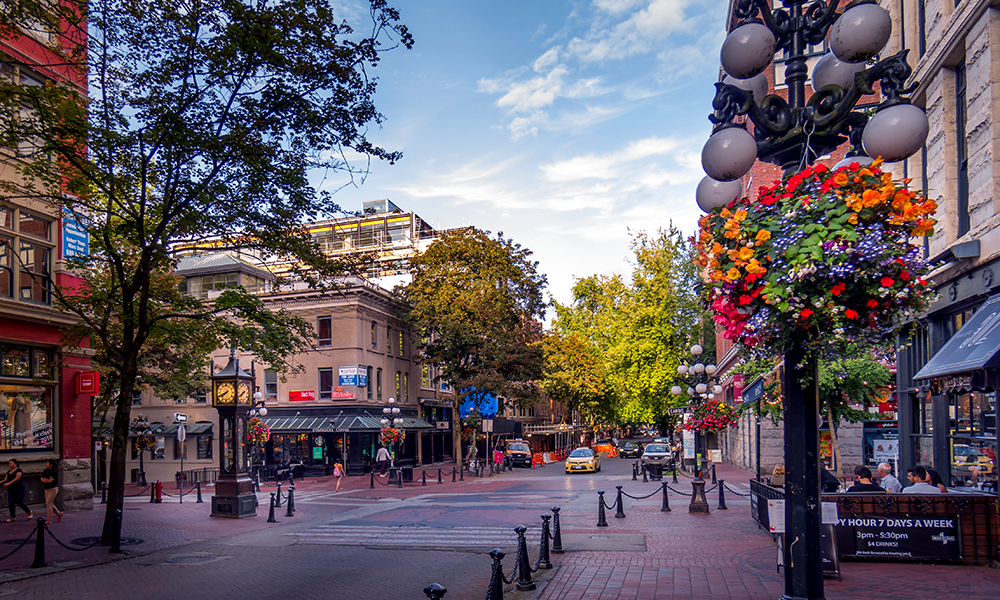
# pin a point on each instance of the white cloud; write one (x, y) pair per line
(635, 35)
(550, 58)
(608, 166)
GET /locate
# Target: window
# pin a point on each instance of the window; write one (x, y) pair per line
(324, 331)
(34, 226)
(406, 387)
(425, 376)
(325, 384)
(374, 335)
(200, 397)
(204, 447)
(401, 339)
(6, 268)
(378, 384)
(399, 385)
(27, 424)
(961, 143)
(25, 256)
(33, 282)
(180, 449)
(136, 397)
(180, 400)
(388, 340)
(159, 451)
(371, 384)
(270, 384)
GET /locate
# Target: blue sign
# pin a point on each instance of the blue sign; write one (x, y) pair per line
(76, 238)
(754, 391)
(348, 376)
(485, 402)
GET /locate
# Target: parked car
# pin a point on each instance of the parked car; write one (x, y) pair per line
(583, 460)
(630, 450)
(656, 454)
(519, 453)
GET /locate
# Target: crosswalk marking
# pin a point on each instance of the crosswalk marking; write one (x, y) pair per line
(407, 535)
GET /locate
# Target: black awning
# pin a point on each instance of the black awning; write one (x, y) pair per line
(975, 346)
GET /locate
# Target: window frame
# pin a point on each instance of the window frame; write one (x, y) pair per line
(324, 321)
(325, 393)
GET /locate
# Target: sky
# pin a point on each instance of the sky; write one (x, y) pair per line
(565, 124)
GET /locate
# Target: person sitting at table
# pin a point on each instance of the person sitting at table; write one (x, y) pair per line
(864, 483)
(886, 479)
(919, 485)
(778, 476)
(934, 479)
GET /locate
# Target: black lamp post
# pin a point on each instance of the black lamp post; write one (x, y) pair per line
(701, 386)
(391, 417)
(792, 133)
(233, 398)
(257, 410)
(140, 427)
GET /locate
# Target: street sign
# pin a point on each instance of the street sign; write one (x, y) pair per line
(754, 391)
(181, 433)
(676, 410)
(487, 425)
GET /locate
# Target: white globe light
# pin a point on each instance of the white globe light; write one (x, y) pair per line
(262, 411)
(830, 70)
(392, 400)
(863, 161)
(395, 410)
(747, 50)
(676, 390)
(384, 421)
(697, 349)
(386, 410)
(860, 33)
(682, 369)
(716, 194)
(710, 369)
(716, 389)
(895, 132)
(699, 368)
(701, 388)
(690, 391)
(729, 154)
(756, 85)
(711, 396)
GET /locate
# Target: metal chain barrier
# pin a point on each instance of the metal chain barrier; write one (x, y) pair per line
(735, 492)
(386, 482)
(21, 545)
(141, 493)
(183, 493)
(640, 497)
(513, 574)
(609, 506)
(678, 491)
(80, 549)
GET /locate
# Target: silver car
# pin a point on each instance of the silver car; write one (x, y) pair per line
(656, 454)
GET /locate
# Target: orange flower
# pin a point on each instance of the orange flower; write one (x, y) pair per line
(754, 267)
(763, 235)
(924, 227)
(732, 234)
(718, 275)
(877, 163)
(854, 202)
(840, 179)
(871, 198)
(745, 253)
(853, 219)
(733, 274)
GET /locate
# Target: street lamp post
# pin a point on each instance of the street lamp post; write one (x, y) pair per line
(391, 417)
(140, 427)
(701, 386)
(791, 133)
(257, 410)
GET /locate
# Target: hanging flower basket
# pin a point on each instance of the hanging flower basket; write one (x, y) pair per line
(391, 435)
(711, 415)
(144, 443)
(257, 432)
(822, 257)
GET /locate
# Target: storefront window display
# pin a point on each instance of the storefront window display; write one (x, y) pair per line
(973, 437)
(26, 414)
(290, 448)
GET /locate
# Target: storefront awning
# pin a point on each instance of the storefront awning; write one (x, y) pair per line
(189, 429)
(976, 345)
(339, 423)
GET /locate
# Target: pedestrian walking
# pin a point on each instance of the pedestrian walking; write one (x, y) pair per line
(50, 479)
(338, 472)
(382, 458)
(15, 487)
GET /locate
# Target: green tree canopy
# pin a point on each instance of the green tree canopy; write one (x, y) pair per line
(475, 301)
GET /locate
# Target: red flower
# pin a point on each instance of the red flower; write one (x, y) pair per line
(820, 168)
(805, 313)
(873, 303)
(851, 314)
(904, 275)
(835, 290)
(744, 299)
(887, 282)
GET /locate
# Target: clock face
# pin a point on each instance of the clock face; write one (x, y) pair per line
(225, 392)
(243, 393)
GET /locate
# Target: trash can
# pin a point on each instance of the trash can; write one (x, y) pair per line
(135, 475)
(407, 474)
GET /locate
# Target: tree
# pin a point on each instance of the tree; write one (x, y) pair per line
(204, 122)
(475, 302)
(573, 373)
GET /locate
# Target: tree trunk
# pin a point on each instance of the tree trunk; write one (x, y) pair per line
(112, 530)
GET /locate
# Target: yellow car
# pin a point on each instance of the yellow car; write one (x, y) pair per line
(583, 460)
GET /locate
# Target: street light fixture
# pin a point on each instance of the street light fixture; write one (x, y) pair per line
(391, 417)
(791, 133)
(140, 427)
(698, 378)
(257, 410)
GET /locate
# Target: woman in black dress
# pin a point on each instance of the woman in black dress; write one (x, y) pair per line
(15, 487)
(50, 479)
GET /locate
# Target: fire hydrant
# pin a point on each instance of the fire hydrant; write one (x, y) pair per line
(158, 487)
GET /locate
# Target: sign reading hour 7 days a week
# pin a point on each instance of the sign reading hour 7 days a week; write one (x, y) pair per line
(900, 536)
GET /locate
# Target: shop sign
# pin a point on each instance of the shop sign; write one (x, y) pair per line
(76, 238)
(341, 394)
(302, 395)
(88, 382)
(353, 376)
(899, 536)
(442, 424)
(885, 447)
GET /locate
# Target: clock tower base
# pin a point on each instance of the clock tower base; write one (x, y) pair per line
(234, 507)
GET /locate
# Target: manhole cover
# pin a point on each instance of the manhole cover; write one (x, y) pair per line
(126, 541)
(190, 559)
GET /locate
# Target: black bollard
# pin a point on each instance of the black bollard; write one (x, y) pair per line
(371, 485)
(601, 520)
(104, 493)
(495, 592)
(713, 474)
(543, 547)
(152, 493)
(291, 502)
(423, 478)
(666, 503)
(116, 539)
(675, 473)
(620, 513)
(634, 475)
(722, 495)
(291, 479)
(644, 480)
(399, 477)
(279, 494)
(435, 591)
(439, 475)
(454, 474)
(524, 582)
(556, 533)
(270, 513)
(39, 544)
(198, 486)
(461, 474)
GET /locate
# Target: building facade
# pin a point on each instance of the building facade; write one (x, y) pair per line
(43, 412)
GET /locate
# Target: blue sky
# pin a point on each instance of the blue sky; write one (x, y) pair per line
(561, 123)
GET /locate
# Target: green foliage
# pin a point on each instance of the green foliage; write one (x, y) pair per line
(574, 373)
(475, 302)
